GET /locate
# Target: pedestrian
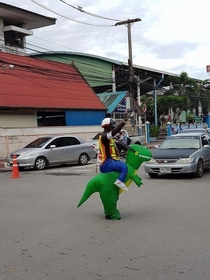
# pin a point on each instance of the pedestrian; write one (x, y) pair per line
(124, 138)
(122, 144)
(108, 152)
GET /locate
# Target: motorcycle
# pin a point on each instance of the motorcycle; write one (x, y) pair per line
(122, 147)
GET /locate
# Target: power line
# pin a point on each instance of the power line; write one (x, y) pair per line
(70, 18)
(90, 14)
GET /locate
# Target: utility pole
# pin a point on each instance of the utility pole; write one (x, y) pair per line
(130, 59)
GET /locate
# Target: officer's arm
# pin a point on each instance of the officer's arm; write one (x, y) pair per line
(118, 128)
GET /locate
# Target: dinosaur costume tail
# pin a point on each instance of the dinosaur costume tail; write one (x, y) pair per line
(90, 189)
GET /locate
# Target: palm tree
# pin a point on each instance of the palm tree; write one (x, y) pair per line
(188, 87)
(183, 84)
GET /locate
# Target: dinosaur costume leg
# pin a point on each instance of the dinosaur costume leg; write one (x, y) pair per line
(109, 193)
(109, 197)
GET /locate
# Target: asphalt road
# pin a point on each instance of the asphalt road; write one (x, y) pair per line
(164, 232)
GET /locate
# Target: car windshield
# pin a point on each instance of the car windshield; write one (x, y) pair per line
(181, 143)
(38, 143)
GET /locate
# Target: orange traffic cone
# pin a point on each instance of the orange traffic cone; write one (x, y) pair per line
(15, 170)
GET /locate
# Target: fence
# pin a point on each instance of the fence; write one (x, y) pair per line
(177, 128)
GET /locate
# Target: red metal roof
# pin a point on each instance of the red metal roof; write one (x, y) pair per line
(34, 83)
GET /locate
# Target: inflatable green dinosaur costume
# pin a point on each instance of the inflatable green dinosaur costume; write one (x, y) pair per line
(104, 182)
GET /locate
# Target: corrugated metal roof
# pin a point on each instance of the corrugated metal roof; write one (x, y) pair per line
(78, 54)
(32, 83)
(112, 99)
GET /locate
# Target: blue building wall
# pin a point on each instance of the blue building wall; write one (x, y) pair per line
(82, 117)
(207, 120)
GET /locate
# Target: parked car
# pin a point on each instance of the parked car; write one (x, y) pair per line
(139, 139)
(208, 130)
(191, 130)
(53, 150)
(181, 153)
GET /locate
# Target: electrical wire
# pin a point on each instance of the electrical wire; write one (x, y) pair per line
(99, 25)
(94, 76)
(90, 14)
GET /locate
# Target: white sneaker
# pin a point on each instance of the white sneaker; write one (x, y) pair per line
(121, 185)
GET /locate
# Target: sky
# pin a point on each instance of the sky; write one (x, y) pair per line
(172, 36)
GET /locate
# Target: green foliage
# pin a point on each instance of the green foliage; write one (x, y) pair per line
(183, 84)
(204, 96)
(150, 108)
(176, 103)
(190, 118)
(154, 130)
(186, 94)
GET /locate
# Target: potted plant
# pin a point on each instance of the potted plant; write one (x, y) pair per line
(154, 132)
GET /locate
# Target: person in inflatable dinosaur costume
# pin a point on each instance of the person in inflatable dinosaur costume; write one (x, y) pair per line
(104, 182)
(108, 152)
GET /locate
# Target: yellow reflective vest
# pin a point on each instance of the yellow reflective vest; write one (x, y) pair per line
(114, 153)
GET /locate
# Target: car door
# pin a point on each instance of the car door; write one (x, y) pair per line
(57, 154)
(73, 148)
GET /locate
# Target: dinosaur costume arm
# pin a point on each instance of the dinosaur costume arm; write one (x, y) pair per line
(136, 179)
(132, 177)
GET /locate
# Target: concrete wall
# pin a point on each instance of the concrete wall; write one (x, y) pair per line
(15, 138)
(12, 139)
(24, 120)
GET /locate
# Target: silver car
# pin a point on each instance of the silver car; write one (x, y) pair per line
(53, 150)
(181, 153)
(192, 130)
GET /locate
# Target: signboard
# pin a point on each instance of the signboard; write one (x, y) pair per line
(121, 108)
(198, 119)
(208, 68)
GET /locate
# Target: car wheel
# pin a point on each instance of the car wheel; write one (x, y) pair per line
(199, 172)
(40, 163)
(152, 175)
(83, 159)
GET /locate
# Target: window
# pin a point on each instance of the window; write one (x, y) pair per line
(204, 141)
(59, 142)
(14, 39)
(71, 141)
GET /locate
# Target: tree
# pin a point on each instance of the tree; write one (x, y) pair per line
(176, 103)
(186, 94)
(183, 84)
(204, 96)
(149, 104)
